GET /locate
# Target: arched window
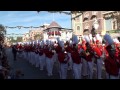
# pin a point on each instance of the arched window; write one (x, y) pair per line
(87, 26)
(94, 12)
(86, 15)
(114, 24)
(78, 27)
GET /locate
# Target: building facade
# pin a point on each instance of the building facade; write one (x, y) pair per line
(110, 23)
(86, 22)
(77, 25)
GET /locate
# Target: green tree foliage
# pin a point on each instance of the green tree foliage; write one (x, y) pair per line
(38, 36)
(2, 33)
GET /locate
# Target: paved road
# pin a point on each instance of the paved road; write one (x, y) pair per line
(31, 72)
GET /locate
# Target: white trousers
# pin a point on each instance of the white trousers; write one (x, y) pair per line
(37, 60)
(26, 57)
(77, 70)
(84, 67)
(119, 73)
(49, 66)
(58, 64)
(99, 68)
(108, 76)
(63, 71)
(90, 69)
(33, 57)
(42, 61)
(70, 63)
(29, 54)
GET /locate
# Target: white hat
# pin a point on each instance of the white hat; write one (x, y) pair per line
(87, 38)
(61, 43)
(98, 37)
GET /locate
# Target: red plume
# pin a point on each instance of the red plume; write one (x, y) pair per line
(97, 50)
(84, 47)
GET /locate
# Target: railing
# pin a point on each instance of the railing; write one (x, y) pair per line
(113, 31)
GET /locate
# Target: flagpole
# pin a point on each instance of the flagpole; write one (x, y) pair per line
(53, 16)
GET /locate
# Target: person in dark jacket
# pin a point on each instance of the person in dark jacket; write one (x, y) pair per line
(14, 51)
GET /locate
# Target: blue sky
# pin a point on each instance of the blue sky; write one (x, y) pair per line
(31, 18)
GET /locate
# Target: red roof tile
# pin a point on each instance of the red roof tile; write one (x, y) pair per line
(54, 24)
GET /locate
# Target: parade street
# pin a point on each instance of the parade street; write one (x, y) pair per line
(31, 72)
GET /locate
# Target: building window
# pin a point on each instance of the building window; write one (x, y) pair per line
(108, 24)
(78, 27)
(86, 15)
(114, 24)
(94, 12)
(86, 26)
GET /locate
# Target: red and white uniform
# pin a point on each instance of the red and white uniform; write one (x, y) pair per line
(49, 61)
(98, 55)
(89, 58)
(84, 61)
(41, 59)
(111, 67)
(63, 59)
(68, 49)
(77, 66)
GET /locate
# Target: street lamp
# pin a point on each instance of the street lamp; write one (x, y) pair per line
(96, 24)
(94, 29)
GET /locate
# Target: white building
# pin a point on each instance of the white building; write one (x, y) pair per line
(54, 31)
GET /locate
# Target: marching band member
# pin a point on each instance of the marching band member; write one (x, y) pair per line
(83, 58)
(58, 49)
(77, 65)
(111, 62)
(68, 49)
(63, 59)
(89, 58)
(98, 54)
(49, 60)
(37, 58)
(41, 58)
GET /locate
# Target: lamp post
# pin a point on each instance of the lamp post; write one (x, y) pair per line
(95, 28)
(96, 24)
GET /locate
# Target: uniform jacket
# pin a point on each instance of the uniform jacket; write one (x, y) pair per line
(63, 57)
(76, 57)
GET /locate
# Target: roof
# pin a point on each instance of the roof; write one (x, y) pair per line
(54, 24)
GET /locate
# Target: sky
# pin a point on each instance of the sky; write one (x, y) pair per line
(31, 18)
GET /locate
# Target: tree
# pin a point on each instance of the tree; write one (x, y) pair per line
(2, 33)
(19, 39)
(38, 36)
